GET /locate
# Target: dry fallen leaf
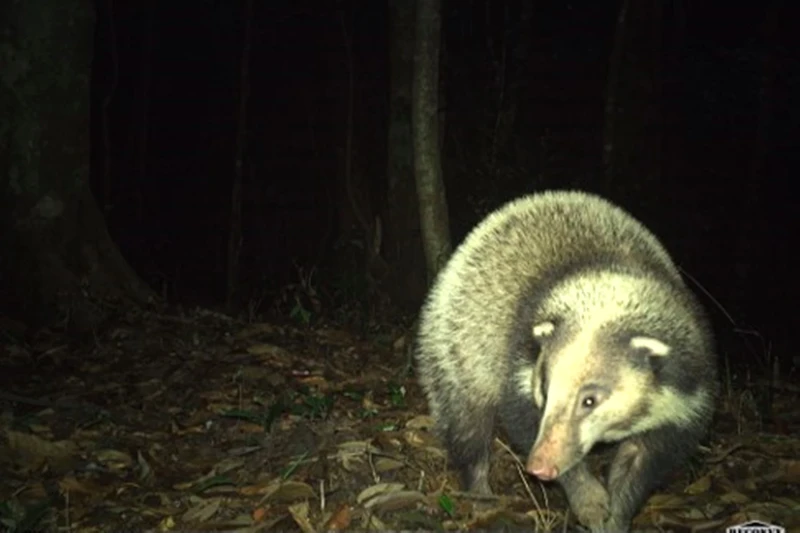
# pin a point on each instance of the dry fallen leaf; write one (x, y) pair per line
(734, 497)
(254, 490)
(33, 452)
(258, 329)
(385, 464)
(357, 446)
(340, 520)
(665, 501)
(288, 491)
(699, 486)
(420, 439)
(422, 422)
(299, 512)
(393, 501)
(166, 524)
(72, 484)
(114, 459)
(145, 472)
(790, 470)
(259, 514)
(203, 511)
(371, 522)
(334, 337)
(375, 490)
(790, 503)
(267, 349)
(249, 428)
(318, 382)
(180, 372)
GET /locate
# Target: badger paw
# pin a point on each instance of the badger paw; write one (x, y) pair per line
(591, 507)
(616, 524)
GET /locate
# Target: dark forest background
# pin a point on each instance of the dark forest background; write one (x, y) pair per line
(704, 143)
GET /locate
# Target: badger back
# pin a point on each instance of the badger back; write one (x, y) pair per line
(475, 314)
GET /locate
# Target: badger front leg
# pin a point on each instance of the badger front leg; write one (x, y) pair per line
(468, 442)
(587, 497)
(640, 465)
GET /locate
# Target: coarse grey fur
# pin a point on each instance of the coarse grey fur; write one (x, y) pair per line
(550, 294)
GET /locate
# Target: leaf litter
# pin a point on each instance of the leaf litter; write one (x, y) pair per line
(201, 422)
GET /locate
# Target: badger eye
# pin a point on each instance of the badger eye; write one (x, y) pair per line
(589, 402)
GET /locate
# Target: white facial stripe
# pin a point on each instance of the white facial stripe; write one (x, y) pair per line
(668, 405)
(545, 329)
(568, 369)
(566, 378)
(652, 345)
(631, 386)
(604, 299)
(524, 380)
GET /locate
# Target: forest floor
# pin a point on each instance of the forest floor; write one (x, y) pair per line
(199, 422)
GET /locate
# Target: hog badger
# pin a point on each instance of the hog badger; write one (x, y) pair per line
(562, 318)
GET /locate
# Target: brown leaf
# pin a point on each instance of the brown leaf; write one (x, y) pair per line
(315, 381)
(259, 514)
(249, 428)
(665, 501)
(791, 471)
(792, 504)
(422, 422)
(33, 452)
(388, 440)
(378, 489)
(385, 464)
(114, 459)
(420, 439)
(699, 486)
(145, 472)
(72, 484)
(166, 524)
(267, 350)
(393, 501)
(734, 497)
(289, 491)
(257, 329)
(335, 337)
(340, 520)
(357, 446)
(203, 511)
(254, 490)
(299, 512)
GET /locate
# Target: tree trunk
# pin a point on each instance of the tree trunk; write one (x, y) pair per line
(633, 120)
(358, 222)
(403, 244)
(612, 81)
(753, 226)
(427, 155)
(145, 81)
(510, 55)
(235, 221)
(57, 260)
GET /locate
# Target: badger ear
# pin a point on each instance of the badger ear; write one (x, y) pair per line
(543, 330)
(650, 345)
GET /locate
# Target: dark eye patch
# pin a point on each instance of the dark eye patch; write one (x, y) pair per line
(543, 382)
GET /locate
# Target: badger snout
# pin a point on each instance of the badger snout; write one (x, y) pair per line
(539, 468)
(553, 451)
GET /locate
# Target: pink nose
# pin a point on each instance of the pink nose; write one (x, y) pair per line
(542, 471)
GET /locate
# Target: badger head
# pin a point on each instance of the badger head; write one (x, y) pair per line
(615, 356)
